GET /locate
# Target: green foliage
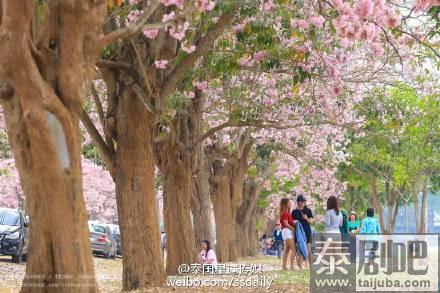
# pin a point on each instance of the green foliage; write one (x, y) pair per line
(107, 52)
(177, 101)
(260, 224)
(263, 151)
(5, 148)
(252, 172)
(224, 64)
(399, 147)
(90, 152)
(434, 13)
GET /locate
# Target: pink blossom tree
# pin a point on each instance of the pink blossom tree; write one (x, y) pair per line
(99, 190)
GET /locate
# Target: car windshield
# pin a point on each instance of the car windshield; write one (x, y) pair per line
(9, 218)
(97, 228)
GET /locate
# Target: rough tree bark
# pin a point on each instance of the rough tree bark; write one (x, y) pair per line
(136, 195)
(149, 89)
(42, 80)
(176, 166)
(201, 206)
(224, 226)
(180, 150)
(253, 233)
(258, 218)
(226, 191)
(251, 192)
(180, 159)
(128, 153)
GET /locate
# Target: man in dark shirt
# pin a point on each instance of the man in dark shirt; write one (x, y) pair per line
(278, 238)
(304, 216)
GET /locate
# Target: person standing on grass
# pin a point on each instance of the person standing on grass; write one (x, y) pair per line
(333, 220)
(287, 231)
(278, 238)
(370, 227)
(304, 216)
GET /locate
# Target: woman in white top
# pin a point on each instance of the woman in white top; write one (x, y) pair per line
(333, 219)
(207, 256)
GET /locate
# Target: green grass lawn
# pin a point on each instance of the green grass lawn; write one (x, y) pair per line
(292, 277)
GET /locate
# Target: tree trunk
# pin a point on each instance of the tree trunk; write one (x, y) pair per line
(352, 198)
(201, 202)
(244, 215)
(176, 169)
(376, 202)
(227, 194)
(390, 214)
(252, 233)
(136, 195)
(224, 220)
(53, 195)
(41, 84)
(415, 196)
(391, 201)
(424, 207)
(395, 213)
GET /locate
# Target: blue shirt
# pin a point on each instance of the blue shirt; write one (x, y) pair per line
(370, 227)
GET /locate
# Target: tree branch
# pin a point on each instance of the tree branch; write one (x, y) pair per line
(142, 69)
(134, 28)
(436, 53)
(203, 46)
(113, 64)
(143, 97)
(98, 104)
(213, 130)
(103, 148)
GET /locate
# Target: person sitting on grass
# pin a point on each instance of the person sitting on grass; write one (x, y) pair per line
(263, 244)
(268, 245)
(207, 256)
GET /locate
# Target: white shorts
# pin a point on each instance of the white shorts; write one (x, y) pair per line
(286, 233)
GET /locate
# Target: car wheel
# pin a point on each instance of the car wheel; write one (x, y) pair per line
(17, 258)
(24, 257)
